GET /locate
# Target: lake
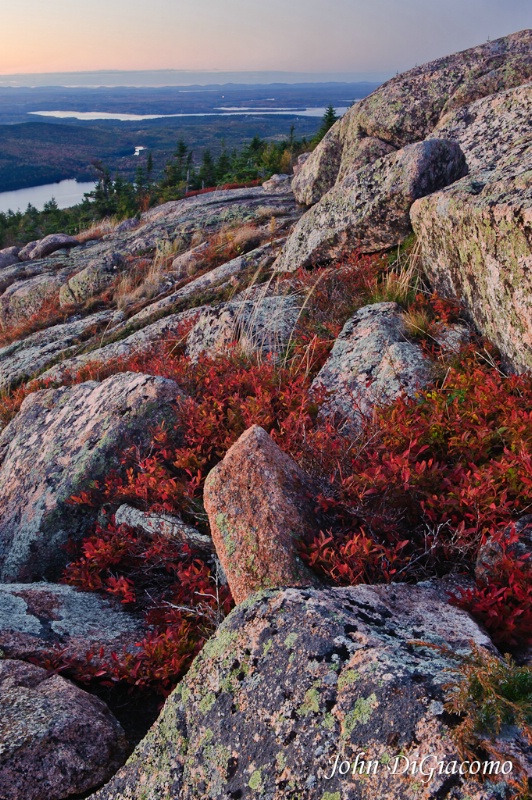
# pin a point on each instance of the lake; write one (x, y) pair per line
(89, 116)
(66, 193)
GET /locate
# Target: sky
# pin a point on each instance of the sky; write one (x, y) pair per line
(366, 38)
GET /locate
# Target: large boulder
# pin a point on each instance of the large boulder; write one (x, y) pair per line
(259, 504)
(297, 682)
(488, 129)
(264, 326)
(371, 363)
(407, 108)
(476, 247)
(168, 526)
(39, 617)
(58, 445)
(278, 183)
(91, 280)
(55, 739)
(45, 247)
(9, 256)
(25, 298)
(321, 168)
(369, 209)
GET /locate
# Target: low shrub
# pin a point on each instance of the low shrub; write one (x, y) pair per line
(489, 694)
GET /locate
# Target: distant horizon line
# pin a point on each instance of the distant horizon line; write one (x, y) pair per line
(187, 78)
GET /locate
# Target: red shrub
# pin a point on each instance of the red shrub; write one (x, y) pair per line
(176, 591)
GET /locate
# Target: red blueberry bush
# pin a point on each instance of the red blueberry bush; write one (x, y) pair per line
(413, 496)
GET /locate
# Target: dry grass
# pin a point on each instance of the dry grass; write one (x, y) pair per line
(400, 285)
(98, 229)
(147, 278)
(418, 324)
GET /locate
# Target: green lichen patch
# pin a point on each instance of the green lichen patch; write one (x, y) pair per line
(267, 647)
(329, 722)
(347, 678)
(360, 715)
(311, 703)
(207, 703)
(219, 645)
(290, 640)
(255, 782)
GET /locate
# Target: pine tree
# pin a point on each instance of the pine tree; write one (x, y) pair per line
(207, 172)
(328, 120)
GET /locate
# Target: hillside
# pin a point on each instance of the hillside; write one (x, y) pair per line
(37, 150)
(266, 474)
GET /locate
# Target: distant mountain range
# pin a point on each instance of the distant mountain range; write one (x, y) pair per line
(185, 78)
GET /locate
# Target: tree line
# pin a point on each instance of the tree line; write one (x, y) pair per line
(120, 198)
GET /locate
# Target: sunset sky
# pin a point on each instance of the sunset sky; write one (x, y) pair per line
(381, 36)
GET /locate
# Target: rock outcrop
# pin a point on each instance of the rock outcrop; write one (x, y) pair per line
(91, 280)
(166, 329)
(26, 357)
(45, 247)
(264, 326)
(37, 617)
(302, 682)
(167, 525)
(407, 108)
(9, 256)
(55, 739)
(61, 441)
(515, 543)
(297, 681)
(25, 298)
(369, 209)
(488, 129)
(476, 246)
(371, 363)
(259, 504)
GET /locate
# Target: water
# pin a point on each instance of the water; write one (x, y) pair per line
(89, 116)
(66, 193)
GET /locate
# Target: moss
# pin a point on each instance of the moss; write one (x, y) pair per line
(360, 715)
(331, 796)
(290, 640)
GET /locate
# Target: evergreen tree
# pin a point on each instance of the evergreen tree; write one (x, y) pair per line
(223, 166)
(207, 173)
(328, 120)
(175, 170)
